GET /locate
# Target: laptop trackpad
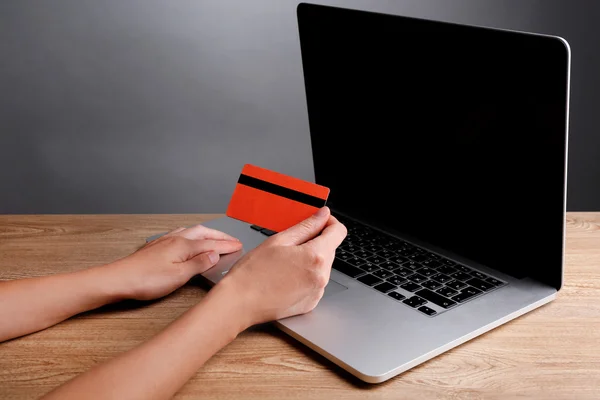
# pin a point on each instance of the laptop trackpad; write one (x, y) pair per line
(333, 287)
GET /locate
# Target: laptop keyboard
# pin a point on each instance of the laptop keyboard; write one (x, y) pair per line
(406, 273)
(411, 275)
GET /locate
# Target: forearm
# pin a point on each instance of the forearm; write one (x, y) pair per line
(159, 367)
(33, 304)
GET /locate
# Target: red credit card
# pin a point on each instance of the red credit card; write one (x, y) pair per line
(272, 200)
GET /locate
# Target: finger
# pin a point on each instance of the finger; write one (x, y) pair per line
(305, 230)
(202, 232)
(332, 236)
(195, 247)
(201, 263)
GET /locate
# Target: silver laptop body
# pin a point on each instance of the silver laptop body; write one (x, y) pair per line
(369, 323)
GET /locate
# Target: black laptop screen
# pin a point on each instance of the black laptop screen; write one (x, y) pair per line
(454, 135)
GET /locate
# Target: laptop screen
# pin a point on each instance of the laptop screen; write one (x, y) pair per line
(454, 135)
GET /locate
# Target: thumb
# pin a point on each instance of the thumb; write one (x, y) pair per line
(305, 230)
(201, 263)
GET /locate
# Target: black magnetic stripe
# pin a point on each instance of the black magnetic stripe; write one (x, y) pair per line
(281, 191)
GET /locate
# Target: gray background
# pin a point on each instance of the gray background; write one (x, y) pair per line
(148, 106)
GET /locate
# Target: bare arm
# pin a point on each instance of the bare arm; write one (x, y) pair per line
(33, 304)
(159, 367)
(30, 305)
(284, 276)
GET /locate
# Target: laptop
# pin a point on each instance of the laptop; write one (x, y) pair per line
(445, 149)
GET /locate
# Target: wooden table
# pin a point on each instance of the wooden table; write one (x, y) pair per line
(551, 353)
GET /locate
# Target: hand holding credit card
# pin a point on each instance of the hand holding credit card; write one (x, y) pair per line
(273, 200)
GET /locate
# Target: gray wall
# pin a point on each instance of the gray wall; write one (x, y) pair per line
(148, 106)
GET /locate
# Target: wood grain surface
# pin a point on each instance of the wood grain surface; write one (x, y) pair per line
(550, 353)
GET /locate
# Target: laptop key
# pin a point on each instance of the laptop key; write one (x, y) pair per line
(373, 248)
(406, 245)
(426, 271)
(456, 285)
(388, 243)
(355, 261)
(410, 286)
(403, 272)
(418, 257)
(383, 274)
(431, 285)
(448, 262)
(396, 280)
(364, 231)
(481, 285)
(359, 242)
(426, 310)
(343, 255)
(461, 276)
(466, 295)
(390, 266)
(446, 291)
(435, 298)
(398, 259)
(471, 290)
(416, 278)
(494, 281)
(369, 280)
(415, 301)
(345, 268)
(393, 246)
(431, 263)
(363, 254)
(479, 275)
(374, 240)
(462, 268)
(376, 259)
(369, 267)
(406, 252)
(441, 278)
(396, 296)
(385, 253)
(446, 270)
(385, 287)
(412, 265)
(350, 248)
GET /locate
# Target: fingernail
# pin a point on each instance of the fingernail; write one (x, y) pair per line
(213, 257)
(321, 213)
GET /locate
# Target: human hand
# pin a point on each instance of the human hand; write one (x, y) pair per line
(286, 275)
(167, 263)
